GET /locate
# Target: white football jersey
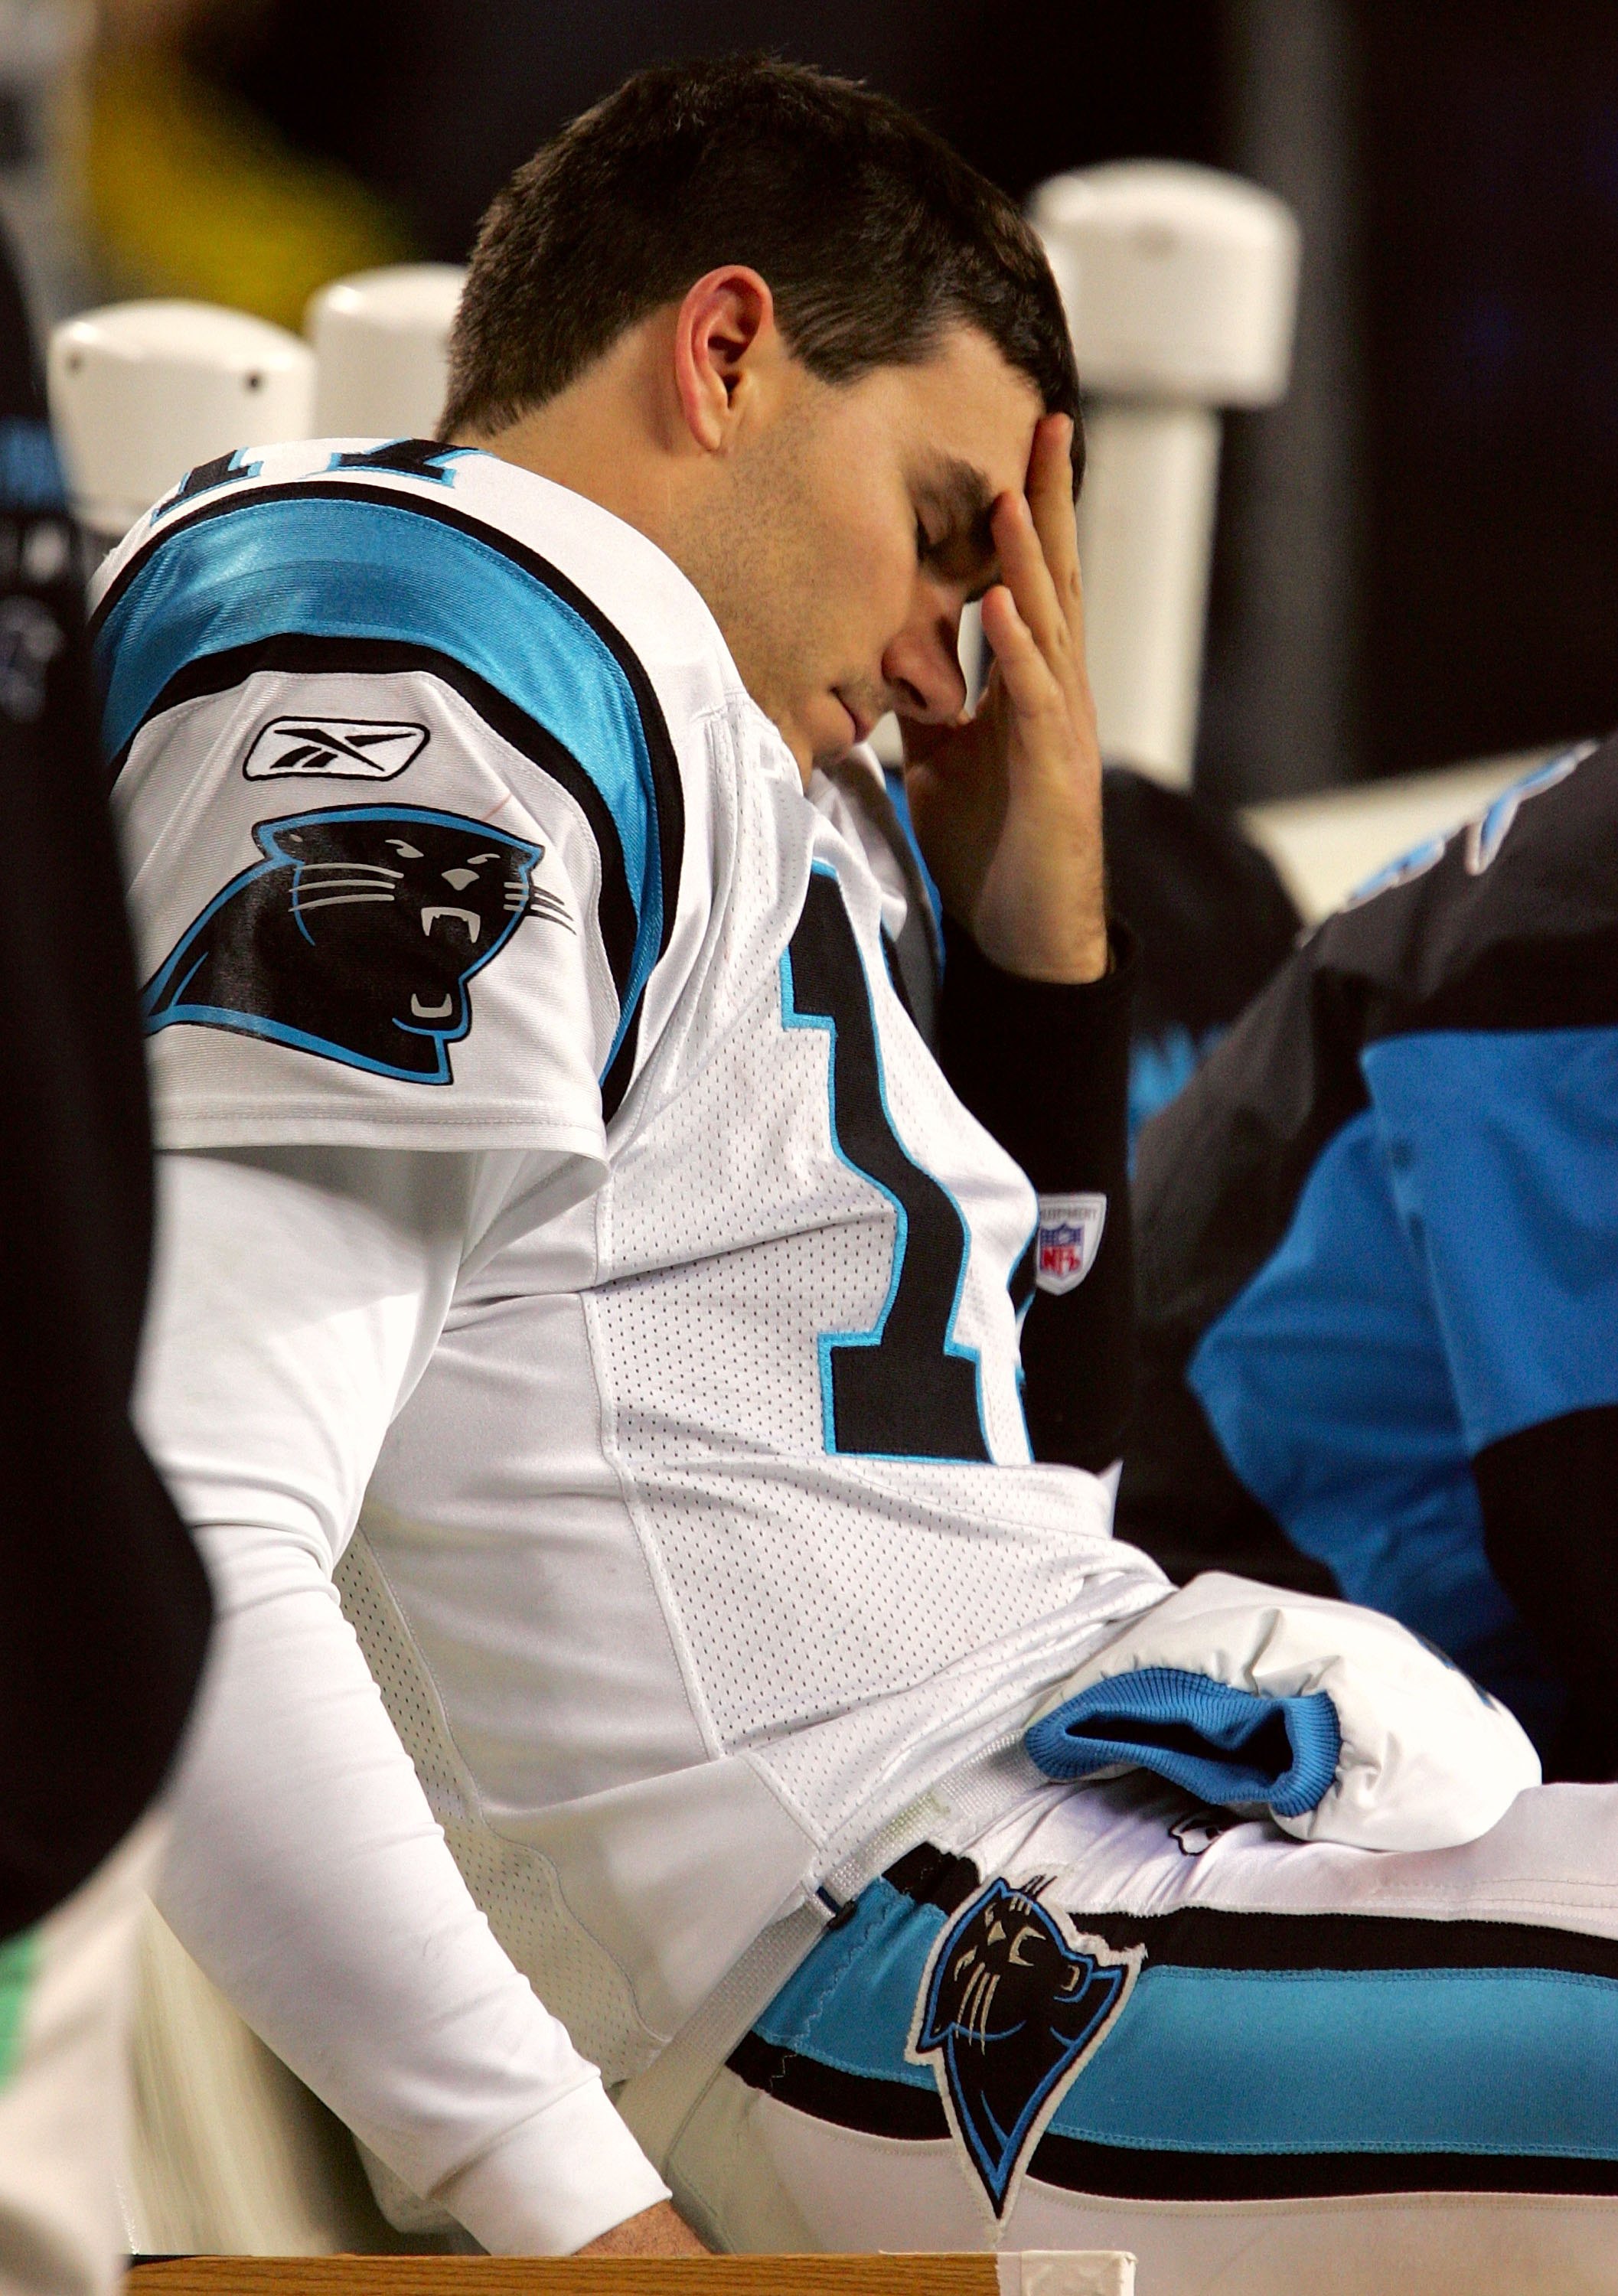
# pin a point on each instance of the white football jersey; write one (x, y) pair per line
(708, 1539)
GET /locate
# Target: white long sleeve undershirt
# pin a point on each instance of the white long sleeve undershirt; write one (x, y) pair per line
(299, 1294)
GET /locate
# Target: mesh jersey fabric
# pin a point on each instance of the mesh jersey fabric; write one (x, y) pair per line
(711, 1522)
(1379, 1267)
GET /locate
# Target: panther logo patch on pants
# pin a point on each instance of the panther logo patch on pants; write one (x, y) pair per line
(1011, 2007)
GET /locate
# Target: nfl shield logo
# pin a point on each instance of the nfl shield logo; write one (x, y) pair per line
(1069, 1237)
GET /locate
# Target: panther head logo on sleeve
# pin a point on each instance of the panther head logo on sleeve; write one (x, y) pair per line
(356, 937)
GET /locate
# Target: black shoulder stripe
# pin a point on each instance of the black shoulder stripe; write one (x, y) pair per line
(1508, 922)
(668, 795)
(308, 656)
(616, 1081)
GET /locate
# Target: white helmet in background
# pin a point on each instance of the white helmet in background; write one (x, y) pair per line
(1181, 291)
(140, 393)
(382, 345)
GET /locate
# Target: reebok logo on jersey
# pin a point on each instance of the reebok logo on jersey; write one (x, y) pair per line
(1070, 1229)
(1012, 2006)
(333, 748)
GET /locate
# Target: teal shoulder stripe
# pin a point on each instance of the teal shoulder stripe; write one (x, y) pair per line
(372, 570)
(336, 567)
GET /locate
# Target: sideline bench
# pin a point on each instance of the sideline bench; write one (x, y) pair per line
(1096, 2274)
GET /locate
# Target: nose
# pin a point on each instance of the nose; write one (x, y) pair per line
(922, 665)
(460, 878)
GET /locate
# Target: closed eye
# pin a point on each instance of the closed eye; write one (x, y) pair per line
(944, 553)
(953, 502)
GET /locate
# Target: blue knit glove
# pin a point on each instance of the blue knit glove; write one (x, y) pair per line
(1222, 1744)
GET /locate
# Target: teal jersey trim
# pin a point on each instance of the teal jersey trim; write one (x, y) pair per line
(328, 565)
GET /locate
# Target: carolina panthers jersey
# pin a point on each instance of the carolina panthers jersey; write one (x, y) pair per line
(1379, 1262)
(709, 1537)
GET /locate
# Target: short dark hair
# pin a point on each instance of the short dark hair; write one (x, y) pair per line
(874, 236)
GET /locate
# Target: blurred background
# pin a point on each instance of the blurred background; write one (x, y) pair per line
(1417, 551)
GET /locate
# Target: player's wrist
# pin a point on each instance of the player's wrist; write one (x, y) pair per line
(657, 2231)
(1038, 908)
(1063, 942)
(1069, 960)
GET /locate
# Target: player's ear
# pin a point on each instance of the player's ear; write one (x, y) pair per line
(726, 349)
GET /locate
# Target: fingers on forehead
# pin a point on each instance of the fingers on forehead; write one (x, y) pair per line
(1050, 456)
(1015, 530)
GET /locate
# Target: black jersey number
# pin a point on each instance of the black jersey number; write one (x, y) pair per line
(904, 1390)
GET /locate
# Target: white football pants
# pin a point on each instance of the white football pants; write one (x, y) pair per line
(1114, 2020)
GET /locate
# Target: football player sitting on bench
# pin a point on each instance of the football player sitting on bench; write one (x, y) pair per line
(578, 1261)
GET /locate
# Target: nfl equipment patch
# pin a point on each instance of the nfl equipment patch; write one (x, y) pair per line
(1012, 2006)
(1070, 1236)
(333, 748)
